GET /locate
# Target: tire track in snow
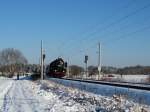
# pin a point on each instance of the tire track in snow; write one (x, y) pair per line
(17, 99)
(6, 85)
(7, 99)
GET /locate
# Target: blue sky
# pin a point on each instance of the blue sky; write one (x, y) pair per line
(72, 28)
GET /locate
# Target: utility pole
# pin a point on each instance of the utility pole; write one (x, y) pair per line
(99, 60)
(86, 70)
(41, 60)
(86, 65)
(68, 69)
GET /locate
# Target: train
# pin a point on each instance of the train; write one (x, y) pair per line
(57, 68)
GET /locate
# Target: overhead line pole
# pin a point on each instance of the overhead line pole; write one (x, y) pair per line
(68, 69)
(99, 60)
(41, 60)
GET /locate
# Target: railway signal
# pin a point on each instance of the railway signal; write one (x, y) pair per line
(86, 65)
(44, 56)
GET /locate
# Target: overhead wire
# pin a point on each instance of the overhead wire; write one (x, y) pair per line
(128, 35)
(117, 21)
(91, 28)
(112, 24)
(120, 29)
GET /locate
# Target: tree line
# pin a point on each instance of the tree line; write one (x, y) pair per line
(93, 70)
(12, 62)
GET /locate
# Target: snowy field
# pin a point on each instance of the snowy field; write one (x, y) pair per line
(124, 78)
(133, 78)
(48, 96)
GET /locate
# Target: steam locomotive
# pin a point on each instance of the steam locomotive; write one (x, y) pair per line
(57, 68)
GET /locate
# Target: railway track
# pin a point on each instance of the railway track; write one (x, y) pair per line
(138, 86)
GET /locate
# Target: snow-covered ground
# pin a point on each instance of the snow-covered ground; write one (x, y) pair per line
(74, 100)
(117, 77)
(5, 85)
(139, 96)
(133, 78)
(18, 96)
(48, 96)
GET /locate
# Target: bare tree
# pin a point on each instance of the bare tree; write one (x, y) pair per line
(11, 61)
(12, 56)
(75, 70)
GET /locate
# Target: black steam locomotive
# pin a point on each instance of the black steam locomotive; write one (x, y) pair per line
(57, 68)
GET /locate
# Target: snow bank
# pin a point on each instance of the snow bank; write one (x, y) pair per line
(56, 99)
(139, 96)
(4, 78)
(68, 99)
